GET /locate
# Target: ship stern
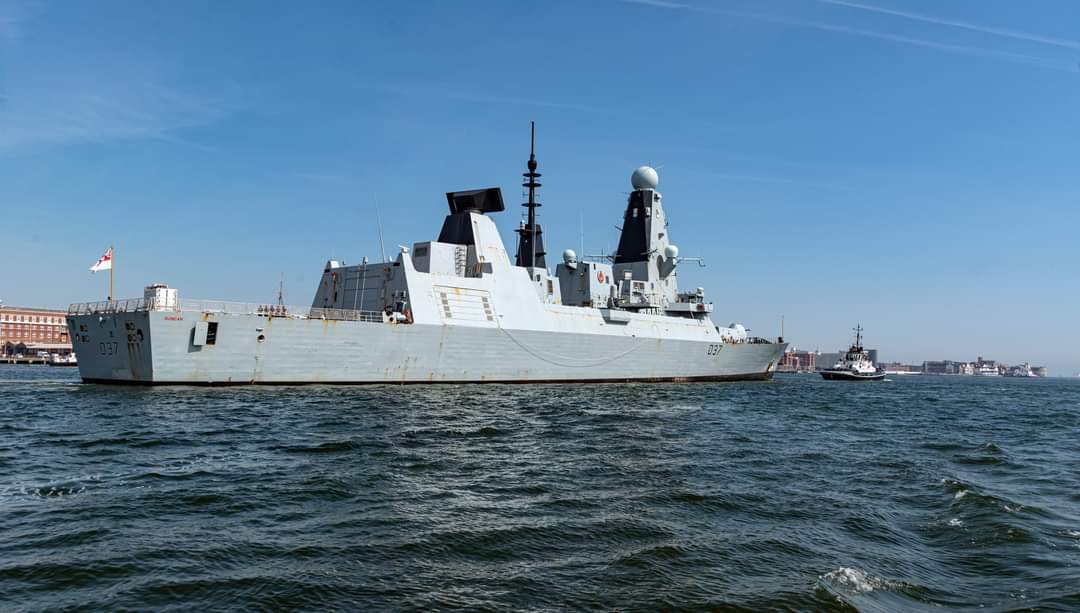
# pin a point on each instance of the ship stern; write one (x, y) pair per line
(112, 347)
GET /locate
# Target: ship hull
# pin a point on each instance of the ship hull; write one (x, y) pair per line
(703, 379)
(839, 375)
(157, 348)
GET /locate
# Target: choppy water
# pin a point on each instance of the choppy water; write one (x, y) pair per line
(915, 493)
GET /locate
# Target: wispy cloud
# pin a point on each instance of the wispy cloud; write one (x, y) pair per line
(1007, 56)
(966, 25)
(439, 89)
(658, 3)
(982, 52)
(326, 177)
(11, 18)
(630, 114)
(71, 114)
(773, 180)
(526, 102)
(49, 97)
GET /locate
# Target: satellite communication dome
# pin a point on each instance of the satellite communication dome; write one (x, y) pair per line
(644, 177)
(671, 252)
(569, 256)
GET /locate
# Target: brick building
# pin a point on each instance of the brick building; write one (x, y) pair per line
(796, 360)
(26, 331)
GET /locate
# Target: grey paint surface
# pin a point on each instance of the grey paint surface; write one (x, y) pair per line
(327, 351)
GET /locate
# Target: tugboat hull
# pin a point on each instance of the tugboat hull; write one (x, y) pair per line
(838, 375)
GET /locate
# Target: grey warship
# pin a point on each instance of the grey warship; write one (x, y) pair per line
(454, 310)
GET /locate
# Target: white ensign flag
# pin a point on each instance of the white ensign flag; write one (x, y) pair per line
(104, 262)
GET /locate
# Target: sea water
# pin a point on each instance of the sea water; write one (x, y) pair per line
(910, 493)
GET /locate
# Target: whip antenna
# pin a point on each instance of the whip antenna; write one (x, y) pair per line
(378, 220)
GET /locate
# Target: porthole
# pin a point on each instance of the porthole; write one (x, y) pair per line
(261, 338)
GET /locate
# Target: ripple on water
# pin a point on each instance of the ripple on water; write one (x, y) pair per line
(868, 592)
(55, 490)
(791, 495)
(328, 447)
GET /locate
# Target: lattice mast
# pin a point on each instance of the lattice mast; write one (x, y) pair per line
(530, 253)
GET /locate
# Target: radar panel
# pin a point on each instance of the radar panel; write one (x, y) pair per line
(483, 200)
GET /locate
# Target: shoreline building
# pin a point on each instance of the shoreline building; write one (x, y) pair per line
(941, 367)
(981, 367)
(988, 368)
(825, 361)
(797, 360)
(25, 331)
(899, 368)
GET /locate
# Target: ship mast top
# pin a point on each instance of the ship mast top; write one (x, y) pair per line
(530, 242)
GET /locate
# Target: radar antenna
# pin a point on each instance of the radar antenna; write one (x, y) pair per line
(378, 220)
(530, 237)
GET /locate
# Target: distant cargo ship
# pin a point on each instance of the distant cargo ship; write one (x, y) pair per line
(456, 309)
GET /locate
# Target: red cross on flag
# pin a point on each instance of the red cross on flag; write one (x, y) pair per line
(104, 262)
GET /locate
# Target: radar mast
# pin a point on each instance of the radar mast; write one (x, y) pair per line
(530, 253)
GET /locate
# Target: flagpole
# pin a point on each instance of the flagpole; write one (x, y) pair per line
(112, 265)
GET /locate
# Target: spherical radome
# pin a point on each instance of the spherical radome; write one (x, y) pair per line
(671, 252)
(645, 177)
(569, 256)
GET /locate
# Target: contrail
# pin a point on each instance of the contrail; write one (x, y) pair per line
(828, 27)
(920, 42)
(974, 27)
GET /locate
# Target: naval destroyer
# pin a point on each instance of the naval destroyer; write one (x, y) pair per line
(457, 309)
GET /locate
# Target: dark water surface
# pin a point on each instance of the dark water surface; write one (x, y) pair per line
(910, 494)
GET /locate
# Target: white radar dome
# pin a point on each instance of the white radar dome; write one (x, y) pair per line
(671, 252)
(645, 177)
(569, 256)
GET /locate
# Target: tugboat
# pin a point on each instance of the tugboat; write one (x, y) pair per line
(62, 360)
(855, 365)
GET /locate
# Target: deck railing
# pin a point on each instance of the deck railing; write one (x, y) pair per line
(126, 305)
(229, 308)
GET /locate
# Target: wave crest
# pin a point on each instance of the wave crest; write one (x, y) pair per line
(856, 581)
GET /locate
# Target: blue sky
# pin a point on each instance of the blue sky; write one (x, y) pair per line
(907, 165)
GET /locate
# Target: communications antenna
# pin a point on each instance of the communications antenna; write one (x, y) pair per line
(581, 229)
(378, 220)
(530, 252)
